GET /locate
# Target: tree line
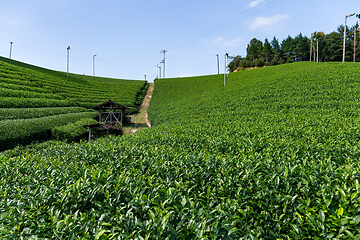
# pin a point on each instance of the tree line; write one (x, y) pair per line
(269, 53)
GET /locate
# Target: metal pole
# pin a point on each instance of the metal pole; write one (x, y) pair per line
(163, 51)
(94, 65)
(343, 60)
(356, 29)
(11, 43)
(160, 72)
(224, 70)
(317, 50)
(227, 64)
(68, 53)
(314, 57)
(311, 44)
(218, 67)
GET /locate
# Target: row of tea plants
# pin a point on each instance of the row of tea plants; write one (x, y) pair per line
(272, 155)
(37, 104)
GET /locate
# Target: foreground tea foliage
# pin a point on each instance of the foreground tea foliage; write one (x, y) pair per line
(273, 155)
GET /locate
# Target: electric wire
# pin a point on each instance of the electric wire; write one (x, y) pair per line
(120, 65)
(240, 17)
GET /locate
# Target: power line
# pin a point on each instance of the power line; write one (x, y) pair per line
(242, 16)
(87, 62)
(120, 65)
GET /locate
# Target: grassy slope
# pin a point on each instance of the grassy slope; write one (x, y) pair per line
(273, 154)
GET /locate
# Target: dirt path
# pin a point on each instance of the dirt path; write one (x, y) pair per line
(140, 120)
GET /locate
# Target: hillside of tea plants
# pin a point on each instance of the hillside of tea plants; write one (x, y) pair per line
(34, 100)
(272, 155)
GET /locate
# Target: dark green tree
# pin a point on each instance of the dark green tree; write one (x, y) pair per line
(301, 49)
(235, 63)
(332, 47)
(267, 50)
(288, 49)
(276, 49)
(254, 49)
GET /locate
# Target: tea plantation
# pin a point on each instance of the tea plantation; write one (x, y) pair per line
(272, 155)
(34, 101)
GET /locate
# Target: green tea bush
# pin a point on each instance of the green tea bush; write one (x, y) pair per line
(29, 92)
(5, 92)
(14, 102)
(19, 80)
(25, 131)
(72, 131)
(272, 155)
(25, 113)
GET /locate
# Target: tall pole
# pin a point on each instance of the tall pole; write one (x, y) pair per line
(317, 50)
(160, 67)
(311, 46)
(227, 64)
(94, 65)
(343, 59)
(355, 43)
(160, 71)
(218, 66)
(11, 43)
(356, 29)
(224, 70)
(163, 61)
(68, 54)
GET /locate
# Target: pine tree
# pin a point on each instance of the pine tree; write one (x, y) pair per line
(267, 49)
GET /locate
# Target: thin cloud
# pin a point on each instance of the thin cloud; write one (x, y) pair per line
(220, 41)
(216, 41)
(9, 21)
(266, 23)
(255, 3)
(233, 43)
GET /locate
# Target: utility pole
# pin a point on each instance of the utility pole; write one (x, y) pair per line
(160, 71)
(218, 66)
(311, 46)
(145, 78)
(350, 15)
(225, 60)
(356, 29)
(11, 43)
(68, 54)
(317, 50)
(94, 65)
(163, 61)
(227, 64)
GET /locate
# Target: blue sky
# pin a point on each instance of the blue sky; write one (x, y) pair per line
(128, 36)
